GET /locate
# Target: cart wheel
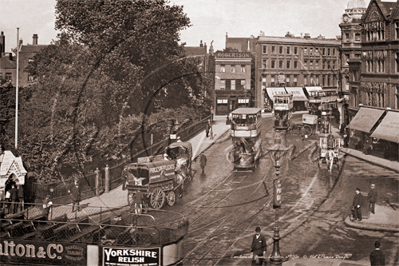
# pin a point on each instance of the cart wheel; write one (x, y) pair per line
(157, 198)
(130, 198)
(308, 130)
(171, 198)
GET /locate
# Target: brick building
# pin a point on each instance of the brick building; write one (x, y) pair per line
(304, 62)
(232, 80)
(8, 62)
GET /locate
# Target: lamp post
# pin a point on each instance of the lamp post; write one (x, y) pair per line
(277, 152)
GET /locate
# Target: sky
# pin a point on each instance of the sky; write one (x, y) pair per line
(210, 19)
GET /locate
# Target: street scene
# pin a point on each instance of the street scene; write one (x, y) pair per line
(124, 142)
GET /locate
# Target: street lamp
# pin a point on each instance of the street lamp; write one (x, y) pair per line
(277, 152)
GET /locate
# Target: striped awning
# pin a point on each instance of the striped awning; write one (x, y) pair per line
(388, 129)
(366, 119)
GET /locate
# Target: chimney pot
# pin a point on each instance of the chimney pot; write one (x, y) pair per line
(35, 37)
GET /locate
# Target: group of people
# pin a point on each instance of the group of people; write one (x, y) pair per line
(358, 202)
(13, 196)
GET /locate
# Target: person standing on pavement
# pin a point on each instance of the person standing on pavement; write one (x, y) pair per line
(14, 199)
(372, 197)
(377, 257)
(75, 191)
(357, 204)
(258, 248)
(203, 161)
(138, 202)
(208, 127)
(21, 196)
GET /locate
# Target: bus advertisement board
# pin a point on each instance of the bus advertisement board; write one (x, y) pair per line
(14, 251)
(124, 256)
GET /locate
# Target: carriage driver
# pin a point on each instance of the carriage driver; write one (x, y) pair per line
(330, 142)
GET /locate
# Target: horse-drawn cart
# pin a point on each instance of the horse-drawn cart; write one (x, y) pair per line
(329, 151)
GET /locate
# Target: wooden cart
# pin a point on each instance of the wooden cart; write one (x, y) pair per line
(157, 180)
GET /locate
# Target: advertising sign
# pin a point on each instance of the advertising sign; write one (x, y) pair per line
(122, 256)
(42, 253)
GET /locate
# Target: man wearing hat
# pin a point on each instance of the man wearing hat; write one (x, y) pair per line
(357, 204)
(372, 197)
(258, 248)
(377, 257)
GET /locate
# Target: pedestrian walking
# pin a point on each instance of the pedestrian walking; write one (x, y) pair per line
(377, 257)
(372, 197)
(75, 191)
(357, 204)
(258, 248)
(21, 196)
(203, 161)
(14, 199)
(208, 127)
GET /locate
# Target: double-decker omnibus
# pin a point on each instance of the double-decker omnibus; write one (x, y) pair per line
(246, 135)
(283, 105)
(323, 100)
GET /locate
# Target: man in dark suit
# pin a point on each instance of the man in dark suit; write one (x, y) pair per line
(357, 204)
(75, 191)
(372, 197)
(377, 257)
(258, 247)
(14, 199)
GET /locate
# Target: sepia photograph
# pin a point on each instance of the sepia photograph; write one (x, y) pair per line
(199, 132)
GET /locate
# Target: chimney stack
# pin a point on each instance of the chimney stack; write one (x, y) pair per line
(2, 43)
(35, 37)
(201, 45)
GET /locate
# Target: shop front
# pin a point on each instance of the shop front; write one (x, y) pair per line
(226, 103)
(299, 97)
(362, 125)
(388, 131)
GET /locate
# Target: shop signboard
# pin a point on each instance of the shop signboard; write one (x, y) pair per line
(14, 251)
(126, 256)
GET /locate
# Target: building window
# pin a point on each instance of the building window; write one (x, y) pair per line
(233, 69)
(243, 68)
(328, 53)
(397, 61)
(305, 79)
(272, 81)
(264, 49)
(222, 84)
(316, 50)
(264, 63)
(317, 63)
(295, 80)
(324, 64)
(273, 49)
(305, 50)
(240, 84)
(273, 64)
(328, 65)
(347, 56)
(288, 50)
(243, 83)
(288, 64)
(396, 30)
(222, 68)
(397, 97)
(295, 50)
(333, 63)
(328, 80)
(281, 48)
(311, 63)
(357, 37)
(233, 84)
(323, 80)
(228, 84)
(295, 64)
(346, 37)
(311, 50)
(287, 80)
(280, 64)
(8, 77)
(305, 63)
(333, 51)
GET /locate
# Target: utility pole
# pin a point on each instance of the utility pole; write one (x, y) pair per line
(16, 94)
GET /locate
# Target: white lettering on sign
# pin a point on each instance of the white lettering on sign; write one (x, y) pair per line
(160, 168)
(52, 251)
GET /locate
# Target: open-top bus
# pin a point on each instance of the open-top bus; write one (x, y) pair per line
(245, 132)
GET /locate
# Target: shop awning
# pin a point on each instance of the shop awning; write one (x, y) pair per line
(298, 94)
(315, 88)
(388, 129)
(365, 119)
(273, 91)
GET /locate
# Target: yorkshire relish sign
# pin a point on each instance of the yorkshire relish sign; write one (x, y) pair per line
(42, 253)
(119, 256)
